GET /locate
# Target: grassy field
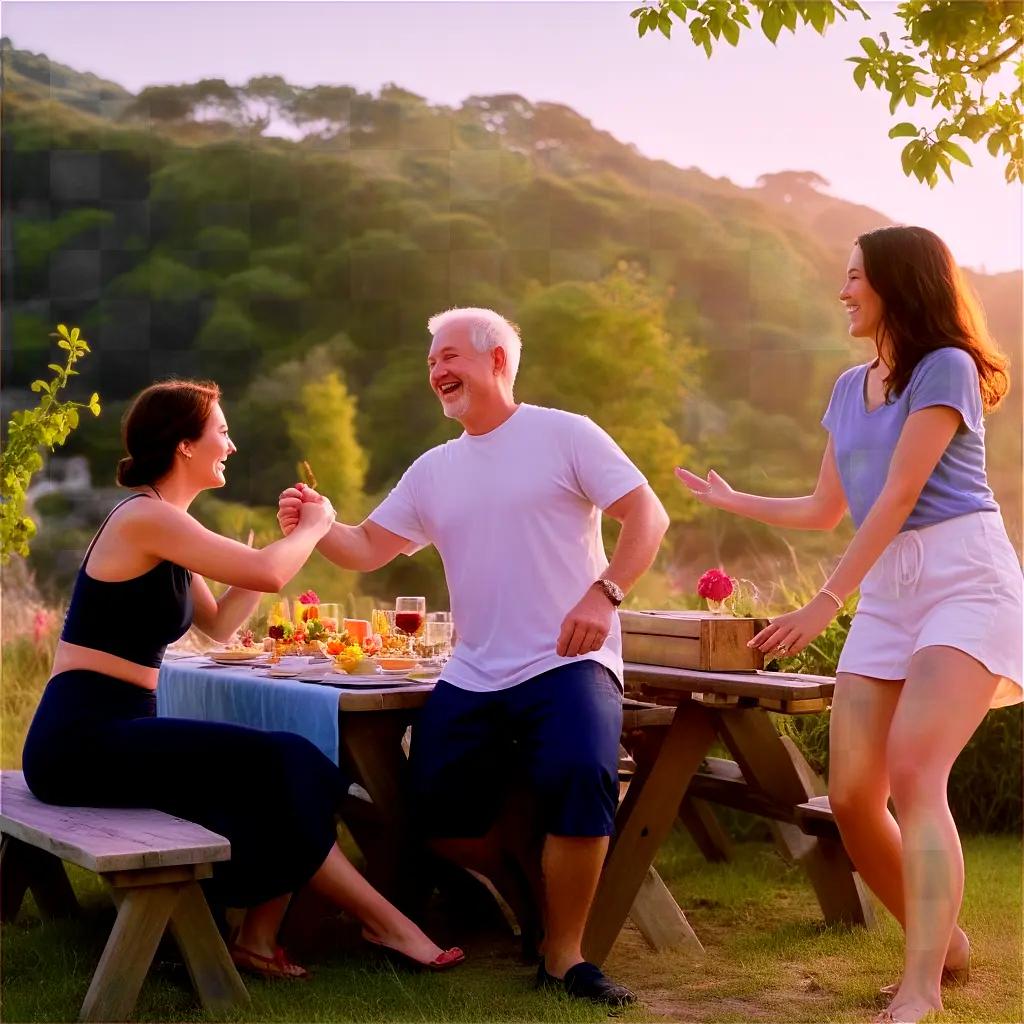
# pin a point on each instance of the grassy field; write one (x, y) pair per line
(768, 958)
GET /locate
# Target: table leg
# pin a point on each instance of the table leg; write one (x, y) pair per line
(645, 819)
(371, 748)
(770, 766)
(712, 840)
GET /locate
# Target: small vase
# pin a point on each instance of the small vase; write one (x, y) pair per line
(717, 607)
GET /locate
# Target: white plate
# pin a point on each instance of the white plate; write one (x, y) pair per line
(283, 673)
(234, 658)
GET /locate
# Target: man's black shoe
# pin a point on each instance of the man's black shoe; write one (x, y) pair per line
(587, 981)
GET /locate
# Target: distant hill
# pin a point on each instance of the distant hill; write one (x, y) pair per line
(35, 76)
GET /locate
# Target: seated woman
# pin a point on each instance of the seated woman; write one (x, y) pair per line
(96, 741)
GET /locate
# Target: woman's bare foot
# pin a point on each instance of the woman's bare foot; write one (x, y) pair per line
(410, 941)
(907, 1010)
(956, 969)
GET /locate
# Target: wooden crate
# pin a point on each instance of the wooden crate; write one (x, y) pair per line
(698, 640)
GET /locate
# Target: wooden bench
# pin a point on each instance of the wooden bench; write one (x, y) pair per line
(815, 817)
(153, 863)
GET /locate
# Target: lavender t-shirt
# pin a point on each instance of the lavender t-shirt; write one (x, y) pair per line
(865, 441)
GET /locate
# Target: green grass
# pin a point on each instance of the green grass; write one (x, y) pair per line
(768, 958)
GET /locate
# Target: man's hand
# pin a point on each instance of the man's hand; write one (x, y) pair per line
(289, 504)
(587, 626)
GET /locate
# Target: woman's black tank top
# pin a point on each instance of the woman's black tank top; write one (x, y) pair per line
(132, 619)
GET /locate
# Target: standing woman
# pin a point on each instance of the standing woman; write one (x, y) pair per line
(936, 640)
(95, 739)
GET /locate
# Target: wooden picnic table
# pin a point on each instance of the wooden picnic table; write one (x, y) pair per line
(769, 776)
(674, 776)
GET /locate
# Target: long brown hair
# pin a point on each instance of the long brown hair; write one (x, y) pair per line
(926, 305)
(158, 420)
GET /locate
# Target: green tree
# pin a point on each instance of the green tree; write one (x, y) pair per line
(29, 430)
(953, 53)
(602, 349)
(322, 425)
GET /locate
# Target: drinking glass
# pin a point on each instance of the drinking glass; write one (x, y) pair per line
(409, 615)
(382, 620)
(279, 612)
(330, 615)
(438, 638)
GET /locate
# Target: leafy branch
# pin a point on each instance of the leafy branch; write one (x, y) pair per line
(950, 54)
(29, 430)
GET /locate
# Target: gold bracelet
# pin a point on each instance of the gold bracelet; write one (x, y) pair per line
(835, 597)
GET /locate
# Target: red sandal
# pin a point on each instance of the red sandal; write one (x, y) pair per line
(276, 966)
(442, 962)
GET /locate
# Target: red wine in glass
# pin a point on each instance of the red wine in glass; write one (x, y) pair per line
(408, 622)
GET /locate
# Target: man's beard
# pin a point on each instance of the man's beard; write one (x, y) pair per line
(457, 409)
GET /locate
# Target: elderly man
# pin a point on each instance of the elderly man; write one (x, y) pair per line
(533, 690)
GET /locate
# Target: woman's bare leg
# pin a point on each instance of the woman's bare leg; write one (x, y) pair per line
(344, 886)
(863, 709)
(945, 698)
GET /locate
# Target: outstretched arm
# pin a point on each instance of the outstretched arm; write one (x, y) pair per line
(821, 510)
(924, 438)
(172, 534)
(363, 548)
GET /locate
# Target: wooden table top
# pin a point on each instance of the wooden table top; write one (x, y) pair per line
(666, 685)
(656, 684)
(784, 686)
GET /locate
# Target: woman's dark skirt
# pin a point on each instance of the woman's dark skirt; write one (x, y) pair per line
(95, 741)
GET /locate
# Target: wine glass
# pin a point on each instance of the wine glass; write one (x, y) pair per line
(409, 615)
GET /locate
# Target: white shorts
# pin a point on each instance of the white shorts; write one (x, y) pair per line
(954, 584)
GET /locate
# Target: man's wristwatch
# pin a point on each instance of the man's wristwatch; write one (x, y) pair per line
(610, 590)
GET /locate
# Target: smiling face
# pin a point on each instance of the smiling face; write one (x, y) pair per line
(210, 451)
(864, 306)
(464, 379)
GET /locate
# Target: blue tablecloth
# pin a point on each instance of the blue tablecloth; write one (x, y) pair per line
(185, 690)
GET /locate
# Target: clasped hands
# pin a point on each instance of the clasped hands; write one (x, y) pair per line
(300, 502)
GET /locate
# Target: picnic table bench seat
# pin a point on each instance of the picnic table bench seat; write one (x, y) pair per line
(153, 863)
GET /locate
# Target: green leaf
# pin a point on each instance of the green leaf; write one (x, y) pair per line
(665, 24)
(39, 385)
(55, 367)
(955, 152)
(771, 23)
(869, 46)
(637, 12)
(860, 72)
(678, 8)
(731, 31)
(902, 130)
(974, 127)
(908, 157)
(64, 345)
(63, 331)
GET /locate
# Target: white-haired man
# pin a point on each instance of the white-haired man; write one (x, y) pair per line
(533, 689)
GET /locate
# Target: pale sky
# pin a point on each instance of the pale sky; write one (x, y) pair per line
(745, 112)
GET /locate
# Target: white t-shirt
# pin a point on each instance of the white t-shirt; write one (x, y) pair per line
(516, 517)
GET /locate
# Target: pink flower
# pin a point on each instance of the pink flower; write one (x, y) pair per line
(715, 585)
(42, 623)
(309, 597)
